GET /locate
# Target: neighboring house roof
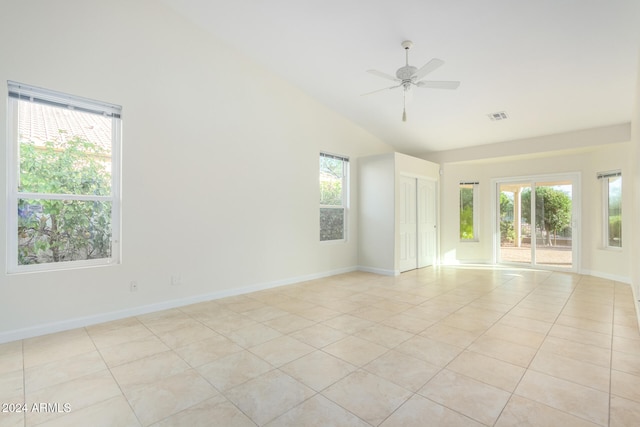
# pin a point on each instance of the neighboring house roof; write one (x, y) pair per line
(40, 123)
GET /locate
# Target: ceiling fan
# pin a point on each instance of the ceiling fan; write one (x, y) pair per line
(409, 76)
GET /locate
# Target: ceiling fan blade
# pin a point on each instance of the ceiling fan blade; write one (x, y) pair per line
(428, 67)
(383, 75)
(380, 90)
(438, 85)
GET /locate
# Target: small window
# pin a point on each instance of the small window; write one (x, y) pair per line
(469, 211)
(63, 175)
(612, 203)
(333, 196)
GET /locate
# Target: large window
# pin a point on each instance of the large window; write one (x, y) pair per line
(333, 196)
(612, 203)
(469, 211)
(63, 180)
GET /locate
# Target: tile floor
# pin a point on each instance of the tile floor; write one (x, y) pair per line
(433, 347)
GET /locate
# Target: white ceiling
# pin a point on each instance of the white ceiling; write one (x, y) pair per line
(553, 65)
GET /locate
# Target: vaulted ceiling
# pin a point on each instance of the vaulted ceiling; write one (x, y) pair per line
(552, 65)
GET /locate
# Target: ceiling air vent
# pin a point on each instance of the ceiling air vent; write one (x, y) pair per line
(500, 115)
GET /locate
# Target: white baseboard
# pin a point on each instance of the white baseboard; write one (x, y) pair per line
(80, 322)
(381, 271)
(614, 277)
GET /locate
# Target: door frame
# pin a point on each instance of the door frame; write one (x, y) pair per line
(576, 212)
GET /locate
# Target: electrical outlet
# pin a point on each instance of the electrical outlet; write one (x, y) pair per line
(133, 286)
(176, 280)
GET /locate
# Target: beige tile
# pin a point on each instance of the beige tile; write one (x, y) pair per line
(516, 335)
(487, 369)
(149, 369)
(61, 345)
(573, 370)
(182, 336)
(402, 369)
(11, 360)
(318, 370)
(543, 316)
(523, 412)
(368, 396)
(417, 411)
(319, 314)
(107, 337)
(281, 350)
(626, 362)
(410, 324)
(374, 314)
(63, 370)
(132, 350)
(586, 324)
(450, 335)
(317, 412)
(265, 313)
(624, 412)
(384, 335)
(431, 351)
(347, 323)
(227, 324)
(626, 345)
(252, 335)
(170, 395)
(289, 323)
(269, 396)
(12, 419)
(625, 385)
(578, 400)
(166, 321)
(211, 412)
(200, 352)
(582, 336)
(507, 351)
(472, 398)
(574, 350)
(112, 412)
(11, 386)
(525, 323)
(78, 393)
(318, 335)
(355, 350)
(235, 369)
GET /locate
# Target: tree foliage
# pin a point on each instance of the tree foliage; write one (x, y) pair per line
(466, 213)
(52, 230)
(552, 208)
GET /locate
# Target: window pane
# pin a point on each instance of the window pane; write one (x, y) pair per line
(615, 211)
(331, 224)
(63, 230)
(331, 180)
(466, 212)
(63, 151)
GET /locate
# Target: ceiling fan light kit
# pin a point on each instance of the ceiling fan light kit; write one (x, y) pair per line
(408, 76)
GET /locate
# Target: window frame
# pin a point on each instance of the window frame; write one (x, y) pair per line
(606, 179)
(18, 92)
(475, 210)
(344, 196)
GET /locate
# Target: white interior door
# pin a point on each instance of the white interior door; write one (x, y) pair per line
(427, 235)
(408, 224)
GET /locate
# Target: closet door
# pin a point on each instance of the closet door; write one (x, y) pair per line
(427, 233)
(407, 224)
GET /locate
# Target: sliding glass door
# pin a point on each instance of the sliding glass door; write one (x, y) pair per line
(536, 222)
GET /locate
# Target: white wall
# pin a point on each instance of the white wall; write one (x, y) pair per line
(376, 236)
(594, 259)
(220, 162)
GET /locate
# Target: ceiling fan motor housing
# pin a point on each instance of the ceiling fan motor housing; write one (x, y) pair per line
(406, 72)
